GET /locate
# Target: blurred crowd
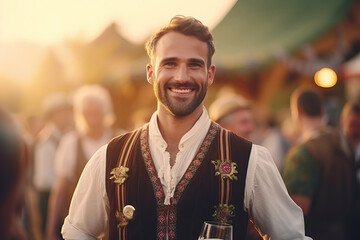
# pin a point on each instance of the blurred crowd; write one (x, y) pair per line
(58, 144)
(42, 157)
(319, 160)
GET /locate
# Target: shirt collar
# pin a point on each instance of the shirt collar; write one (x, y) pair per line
(199, 129)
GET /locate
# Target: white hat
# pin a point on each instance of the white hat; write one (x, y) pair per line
(224, 105)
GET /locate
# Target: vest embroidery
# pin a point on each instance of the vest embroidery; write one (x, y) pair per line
(167, 213)
(119, 174)
(172, 221)
(226, 170)
(223, 213)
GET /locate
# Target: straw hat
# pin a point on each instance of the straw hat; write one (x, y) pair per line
(225, 105)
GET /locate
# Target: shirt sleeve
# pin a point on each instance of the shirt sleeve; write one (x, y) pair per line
(300, 172)
(89, 208)
(267, 200)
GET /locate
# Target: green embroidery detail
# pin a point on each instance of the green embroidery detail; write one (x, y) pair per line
(119, 174)
(223, 213)
(226, 169)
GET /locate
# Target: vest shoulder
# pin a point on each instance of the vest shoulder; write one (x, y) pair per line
(239, 140)
(238, 143)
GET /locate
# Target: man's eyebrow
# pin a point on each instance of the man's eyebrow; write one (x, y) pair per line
(170, 59)
(197, 60)
(191, 60)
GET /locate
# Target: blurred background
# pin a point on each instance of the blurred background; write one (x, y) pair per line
(264, 50)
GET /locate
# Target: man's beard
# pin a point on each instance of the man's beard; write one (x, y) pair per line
(178, 106)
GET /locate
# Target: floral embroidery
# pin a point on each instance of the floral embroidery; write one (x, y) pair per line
(119, 174)
(161, 234)
(226, 169)
(223, 213)
(189, 175)
(195, 164)
(170, 211)
(172, 234)
(162, 218)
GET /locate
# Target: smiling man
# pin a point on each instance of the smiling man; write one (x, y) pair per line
(162, 181)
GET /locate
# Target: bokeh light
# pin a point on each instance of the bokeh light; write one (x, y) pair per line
(325, 77)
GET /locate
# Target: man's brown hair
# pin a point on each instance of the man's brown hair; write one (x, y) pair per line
(188, 26)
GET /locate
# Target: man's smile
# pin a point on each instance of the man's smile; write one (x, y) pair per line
(181, 90)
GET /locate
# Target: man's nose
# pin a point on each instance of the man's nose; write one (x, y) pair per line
(182, 73)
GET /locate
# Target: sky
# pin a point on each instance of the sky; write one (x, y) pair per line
(50, 22)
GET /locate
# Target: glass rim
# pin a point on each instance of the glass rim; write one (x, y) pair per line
(218, 223)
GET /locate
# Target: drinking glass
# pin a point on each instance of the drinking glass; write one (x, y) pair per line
(216, 231)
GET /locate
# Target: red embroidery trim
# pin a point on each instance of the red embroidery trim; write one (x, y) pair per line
(167, 214)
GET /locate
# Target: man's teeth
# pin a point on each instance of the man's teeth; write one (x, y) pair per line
(181, 90)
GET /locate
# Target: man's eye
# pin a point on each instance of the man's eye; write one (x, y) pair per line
(195, 65)
(169, 64)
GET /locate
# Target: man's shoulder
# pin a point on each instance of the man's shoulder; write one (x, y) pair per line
(116, 145)
(233, 136)
(299, 152)
(238, 140)
(123, 136)
(327, 134)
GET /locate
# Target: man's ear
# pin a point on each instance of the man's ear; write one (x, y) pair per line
(149, 73)
(211, 74)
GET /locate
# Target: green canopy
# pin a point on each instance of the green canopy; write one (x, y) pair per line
(256, 31)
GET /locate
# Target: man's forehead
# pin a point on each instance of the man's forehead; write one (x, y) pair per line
(174, 44)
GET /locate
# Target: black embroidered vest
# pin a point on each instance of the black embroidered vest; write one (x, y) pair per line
(196, 196)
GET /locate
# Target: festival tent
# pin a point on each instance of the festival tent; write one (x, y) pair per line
(255, 32)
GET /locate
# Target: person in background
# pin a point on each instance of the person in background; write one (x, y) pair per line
(57, 110)
(13, 165)
(234, 113)
(270, 135)
(31, 125)
(162, 181)
(93, 115)
(318, 170)
(350, 125)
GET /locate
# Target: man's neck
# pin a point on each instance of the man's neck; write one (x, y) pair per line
(173, 128)
(309, 125)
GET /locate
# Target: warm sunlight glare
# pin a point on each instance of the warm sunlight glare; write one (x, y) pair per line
(50, 22)
(325, 77)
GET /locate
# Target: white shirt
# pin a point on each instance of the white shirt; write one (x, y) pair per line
(44, 155)
(66, 155)
(265, 199)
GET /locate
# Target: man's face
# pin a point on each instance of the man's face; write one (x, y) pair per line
(63, 119)
(241, 122)
(93, 114)
(179, 73)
